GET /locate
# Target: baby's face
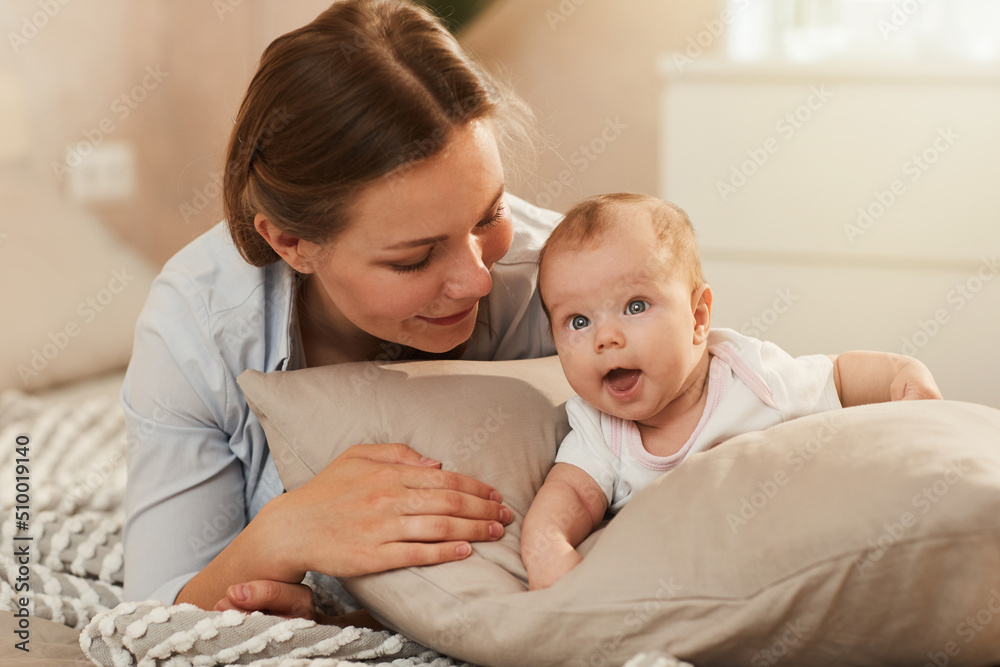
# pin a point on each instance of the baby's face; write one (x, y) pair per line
(624, 327)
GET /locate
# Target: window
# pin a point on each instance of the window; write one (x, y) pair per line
(811, 30)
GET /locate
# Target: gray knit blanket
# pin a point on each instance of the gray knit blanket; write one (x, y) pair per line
(76, 478)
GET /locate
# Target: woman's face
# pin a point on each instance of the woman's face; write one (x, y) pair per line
(415, 260)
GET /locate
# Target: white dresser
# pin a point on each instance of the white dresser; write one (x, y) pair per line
(846, 206)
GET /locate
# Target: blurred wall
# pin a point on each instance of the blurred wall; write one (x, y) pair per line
(166, 77)
(163, 78)
(588, 68)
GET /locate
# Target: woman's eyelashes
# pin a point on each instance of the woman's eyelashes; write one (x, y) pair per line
(425, 262)
(409, 268)
(493, 219)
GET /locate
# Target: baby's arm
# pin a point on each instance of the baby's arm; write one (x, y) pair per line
(876, 377)
(568, 507)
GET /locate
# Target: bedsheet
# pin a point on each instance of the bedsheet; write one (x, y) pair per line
(62, 515)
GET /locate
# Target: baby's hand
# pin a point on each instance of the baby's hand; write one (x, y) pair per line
(913, 381)
(550, 569)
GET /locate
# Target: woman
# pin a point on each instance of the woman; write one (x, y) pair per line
(366, 218)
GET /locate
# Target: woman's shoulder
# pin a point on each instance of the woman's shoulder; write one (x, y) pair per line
(207, 296)
(211, 267)
(532, 226)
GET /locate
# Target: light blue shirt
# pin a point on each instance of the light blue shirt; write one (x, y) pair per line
(198, 463)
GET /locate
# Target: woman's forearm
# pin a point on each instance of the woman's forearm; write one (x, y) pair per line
(251, 556)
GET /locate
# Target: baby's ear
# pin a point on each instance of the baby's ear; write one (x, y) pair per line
(701, 308)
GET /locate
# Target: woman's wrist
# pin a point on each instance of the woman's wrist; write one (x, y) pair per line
(275, 550)
(259, 552)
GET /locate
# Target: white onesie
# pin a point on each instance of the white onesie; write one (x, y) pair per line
(752, 385)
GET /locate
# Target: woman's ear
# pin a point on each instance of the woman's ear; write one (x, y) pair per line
(701, 308)
(295, 251)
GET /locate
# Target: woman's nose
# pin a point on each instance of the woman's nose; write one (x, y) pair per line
(469, 278)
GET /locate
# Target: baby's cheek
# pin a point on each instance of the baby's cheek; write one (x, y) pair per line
(575, 361)
(578, 381)
(572, 342)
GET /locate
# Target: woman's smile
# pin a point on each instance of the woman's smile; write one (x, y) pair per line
(449, 319)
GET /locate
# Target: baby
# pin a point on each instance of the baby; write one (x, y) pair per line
(621, 282)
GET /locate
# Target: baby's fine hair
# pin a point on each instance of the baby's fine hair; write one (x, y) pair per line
(592, 218)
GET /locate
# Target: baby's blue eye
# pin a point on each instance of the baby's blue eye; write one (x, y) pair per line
(578, 322)
(636, 306)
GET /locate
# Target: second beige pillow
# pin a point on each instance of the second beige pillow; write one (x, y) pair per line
(865, 536)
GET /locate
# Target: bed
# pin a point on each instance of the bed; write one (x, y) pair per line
(811, 611)
(839, 564)
(76, 449)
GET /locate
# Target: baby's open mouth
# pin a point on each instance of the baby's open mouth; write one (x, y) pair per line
(622, 379)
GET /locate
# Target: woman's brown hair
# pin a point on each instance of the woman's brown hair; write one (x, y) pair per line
(365, 90)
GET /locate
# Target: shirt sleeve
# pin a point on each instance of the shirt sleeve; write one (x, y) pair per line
(585, 447)
(184, 496)
(800, 386)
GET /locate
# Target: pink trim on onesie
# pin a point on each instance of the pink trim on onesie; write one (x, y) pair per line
(743, 371)
(626, 430)
(723, 355)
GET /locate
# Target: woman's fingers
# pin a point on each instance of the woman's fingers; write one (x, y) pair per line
(225, 605)
(411, 554)
(272, 597)
(454, 503)
(426, 472)
(432, 478)
(395, 452)
(425, 528)
(378, 507)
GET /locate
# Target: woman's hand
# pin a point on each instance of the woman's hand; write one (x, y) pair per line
(271, 597)
(375, 508)
(290, 601)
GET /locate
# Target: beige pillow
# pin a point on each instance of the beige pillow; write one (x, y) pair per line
(73, 292)
(869, 535)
